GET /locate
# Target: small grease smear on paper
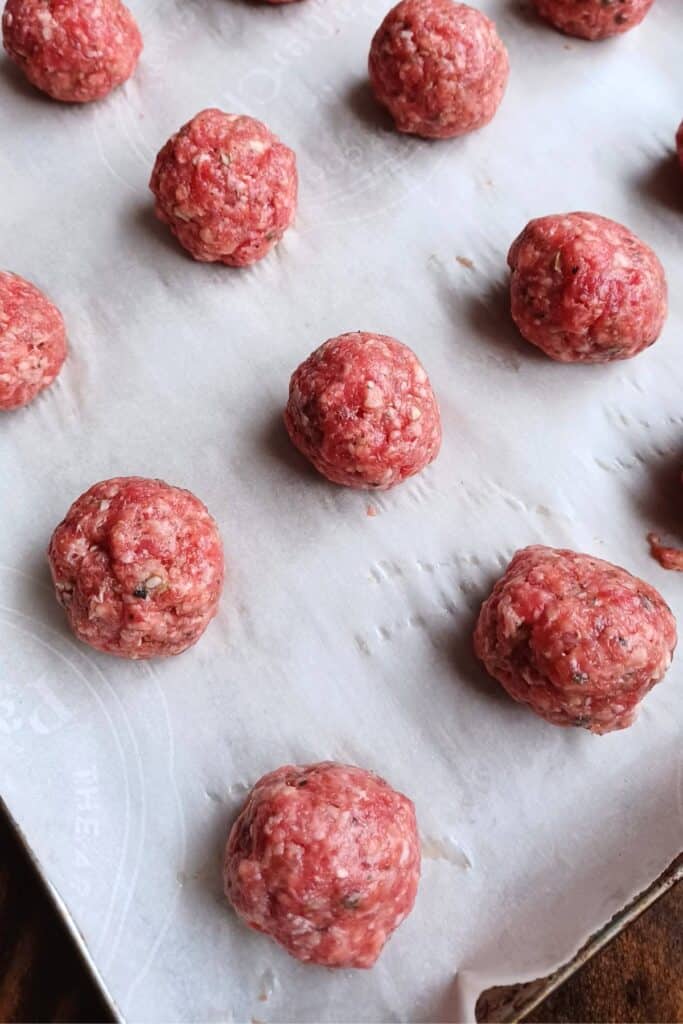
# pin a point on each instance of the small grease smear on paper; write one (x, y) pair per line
(182, 877)
(221, 797)
(445, 849)
(371, 511)
(267, 985)
(238, 788)
(465, 262)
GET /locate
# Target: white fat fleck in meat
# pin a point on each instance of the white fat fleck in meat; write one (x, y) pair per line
(46, 22)
(374, 399)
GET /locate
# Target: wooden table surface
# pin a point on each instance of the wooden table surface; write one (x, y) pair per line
(637, 977)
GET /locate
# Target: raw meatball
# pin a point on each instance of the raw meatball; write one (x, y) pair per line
(74, 50)
(593, 19)
(226, 187)
(439, 67)
(668, 557)
(326, 860)
(679, 143)
(32, 341)
(361, 408)
(138, 566)
(579, 640)
(584, 289)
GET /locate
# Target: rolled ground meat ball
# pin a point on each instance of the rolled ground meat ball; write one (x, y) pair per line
(361, 408)
(32, 341)
(593, 19)
(74, 50)
(579, 640)
(439, 67)
(226, 187)
(668, 557)
(584, 289)
(138, 566)
(325, 859)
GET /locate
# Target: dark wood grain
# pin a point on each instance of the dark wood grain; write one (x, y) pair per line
(637, 977)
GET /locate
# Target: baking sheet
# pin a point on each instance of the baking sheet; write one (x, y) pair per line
(340, 635)
(515, 1002)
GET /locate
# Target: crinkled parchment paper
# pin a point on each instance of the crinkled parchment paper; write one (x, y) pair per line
(340, 635)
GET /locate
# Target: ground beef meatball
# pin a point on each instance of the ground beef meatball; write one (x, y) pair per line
(138, 566)
(439, 67)
(679, 144)
(579, 640)
(226, 187)
(593, 19)
(32, 341)
(584, 289)
(668, 557)
(74, 50)
(361, 408)
(326, 860)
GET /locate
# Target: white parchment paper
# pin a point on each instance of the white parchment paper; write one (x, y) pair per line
(340, 635)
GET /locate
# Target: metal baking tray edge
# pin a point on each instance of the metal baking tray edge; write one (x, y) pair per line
(506, 1004)
(63, 912)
